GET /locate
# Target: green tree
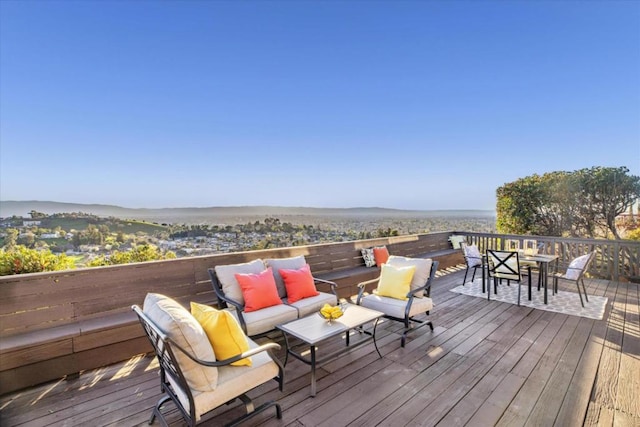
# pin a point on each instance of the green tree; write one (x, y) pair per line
(22, 260)
(608, 192)
(518, 205)
(35, 214)
(141, 253)
(634, 234)
(27, 239)
(11, 238)
(576, 203)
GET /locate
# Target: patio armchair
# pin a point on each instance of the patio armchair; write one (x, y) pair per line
(575, 273)
(190, 375)
(400, 294)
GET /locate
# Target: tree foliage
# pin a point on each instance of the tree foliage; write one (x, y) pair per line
(140, 253)
(20, 260)
(581, 203)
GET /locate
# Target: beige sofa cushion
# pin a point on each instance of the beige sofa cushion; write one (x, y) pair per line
(310, 305)
(226, 276)
(293, 263)
(182, 328)
(266, 319)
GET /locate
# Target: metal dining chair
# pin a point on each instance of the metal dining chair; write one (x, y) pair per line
(472, 258)
(504, 265)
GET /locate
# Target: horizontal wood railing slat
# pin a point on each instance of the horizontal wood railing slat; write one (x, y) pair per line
(69, 317)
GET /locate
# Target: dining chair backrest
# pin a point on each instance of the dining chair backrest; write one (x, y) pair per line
(503, 264)
(579, 266)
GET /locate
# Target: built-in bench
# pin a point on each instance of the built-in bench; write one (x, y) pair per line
(353, 270)
(58, 324)
(62, 323)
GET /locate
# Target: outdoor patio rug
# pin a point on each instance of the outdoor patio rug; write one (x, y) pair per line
(562, 302)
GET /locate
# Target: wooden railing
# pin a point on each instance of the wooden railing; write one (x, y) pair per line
(59, 323)
(615, 259)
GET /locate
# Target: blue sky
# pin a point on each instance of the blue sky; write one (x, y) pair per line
(408, 105)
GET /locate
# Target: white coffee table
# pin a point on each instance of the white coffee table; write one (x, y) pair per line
(314, 328)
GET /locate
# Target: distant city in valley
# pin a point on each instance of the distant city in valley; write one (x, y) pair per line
(89, 231)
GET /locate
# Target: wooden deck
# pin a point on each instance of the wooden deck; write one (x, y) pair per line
(486, 363)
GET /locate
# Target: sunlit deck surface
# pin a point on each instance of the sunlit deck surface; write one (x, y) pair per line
(486, 363)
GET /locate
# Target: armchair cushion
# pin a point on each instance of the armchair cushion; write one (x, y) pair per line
(232, 382)
(395, 282)
(421, 275)
(224, 332)
(396, 308)
(312, 304)
(258, 290)
(277, 264)
(183, 329)
(226, 276)
(381, 255)
(299, 283)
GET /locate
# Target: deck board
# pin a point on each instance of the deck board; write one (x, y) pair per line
(486, 363)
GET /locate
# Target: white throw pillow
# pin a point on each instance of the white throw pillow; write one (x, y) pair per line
(457, 240)
(472, 255)
(182, 328)
(576, 267)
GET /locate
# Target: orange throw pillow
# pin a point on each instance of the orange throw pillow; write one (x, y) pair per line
(258, 290)
(299, 283)
(381, 255)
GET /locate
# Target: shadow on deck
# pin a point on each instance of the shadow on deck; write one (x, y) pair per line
(486, 363)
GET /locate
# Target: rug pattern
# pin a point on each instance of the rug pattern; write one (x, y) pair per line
(562, 302)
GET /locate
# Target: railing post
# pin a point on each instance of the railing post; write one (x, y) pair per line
(616, 260)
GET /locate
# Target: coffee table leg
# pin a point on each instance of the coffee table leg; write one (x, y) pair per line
(286, 353)
(313, 371)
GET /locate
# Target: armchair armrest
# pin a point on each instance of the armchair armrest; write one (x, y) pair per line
(217, 288)
(361, 286)
(333, 285)
(234, 303)
(427, 286)
(230, 360)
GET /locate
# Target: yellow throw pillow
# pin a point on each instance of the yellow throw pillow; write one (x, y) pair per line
(224, 332)
(395, 282)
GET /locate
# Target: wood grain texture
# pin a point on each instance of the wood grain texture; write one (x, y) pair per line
(486, 363)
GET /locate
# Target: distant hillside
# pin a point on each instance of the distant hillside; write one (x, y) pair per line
(22, 208)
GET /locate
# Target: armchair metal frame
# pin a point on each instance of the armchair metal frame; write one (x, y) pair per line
(499, 269)
(407, 320)
(165, 350)
(467, 262)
